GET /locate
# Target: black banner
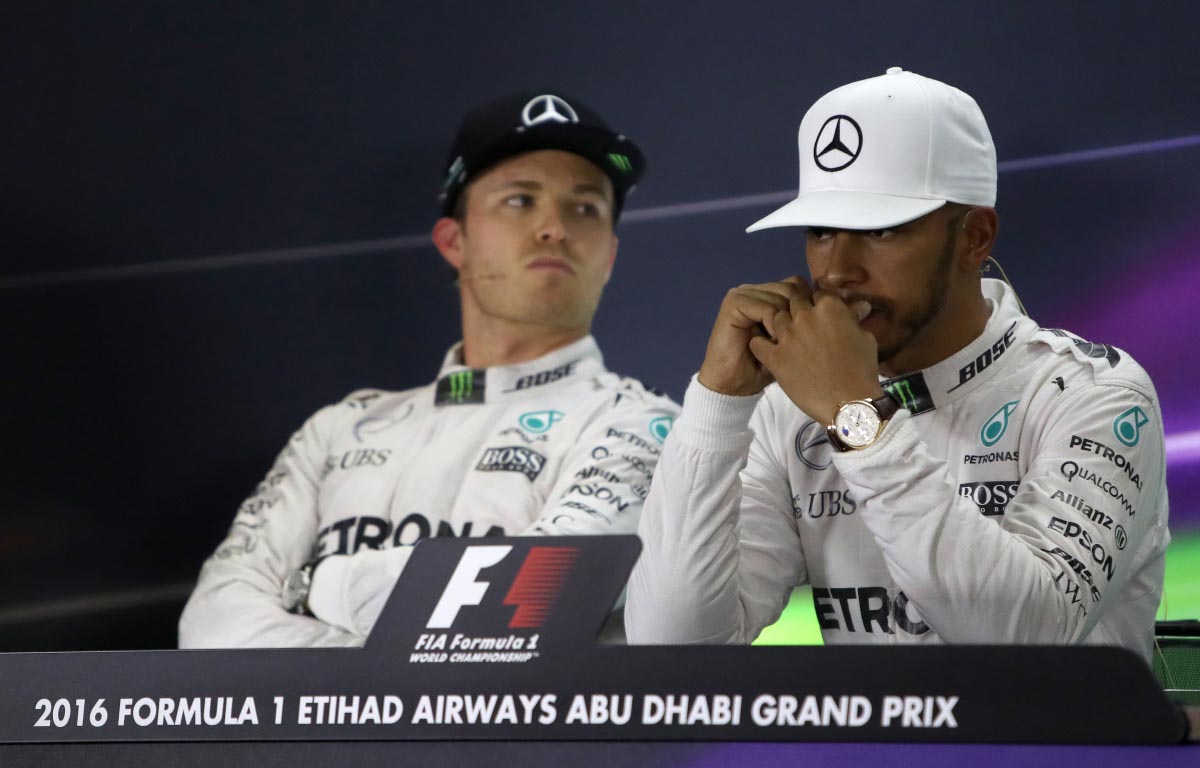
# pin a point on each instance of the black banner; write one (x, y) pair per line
(495, 639)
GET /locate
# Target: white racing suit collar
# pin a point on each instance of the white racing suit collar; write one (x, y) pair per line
(459, 385)
(973, 365)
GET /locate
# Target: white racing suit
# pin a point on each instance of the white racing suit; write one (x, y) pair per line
(554, 446)
(1020, 498)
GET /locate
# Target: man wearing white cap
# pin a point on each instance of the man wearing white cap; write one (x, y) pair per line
(900, 435)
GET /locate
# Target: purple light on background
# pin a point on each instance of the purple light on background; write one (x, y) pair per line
(1183, 448)
(1099, 153)
(1152, 311)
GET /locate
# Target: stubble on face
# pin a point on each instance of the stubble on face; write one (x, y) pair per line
(904, 327)
(937, 288)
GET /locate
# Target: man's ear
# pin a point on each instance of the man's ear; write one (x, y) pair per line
(447, 236)
(612, 258)
(979, 228)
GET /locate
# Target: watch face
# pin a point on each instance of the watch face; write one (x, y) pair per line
(857, 424)
(295, 590)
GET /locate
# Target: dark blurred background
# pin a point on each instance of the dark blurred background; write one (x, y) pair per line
(214, 220)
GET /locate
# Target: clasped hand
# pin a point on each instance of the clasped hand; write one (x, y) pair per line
(810, 342)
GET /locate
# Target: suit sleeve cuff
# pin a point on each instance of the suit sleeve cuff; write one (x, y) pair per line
(713, 421)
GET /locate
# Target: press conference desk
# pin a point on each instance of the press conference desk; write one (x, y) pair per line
(454, 675)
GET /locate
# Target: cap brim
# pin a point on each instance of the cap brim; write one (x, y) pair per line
(847, 209)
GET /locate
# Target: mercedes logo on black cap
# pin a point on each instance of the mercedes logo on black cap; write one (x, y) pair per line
(548, 108)
(838, 143)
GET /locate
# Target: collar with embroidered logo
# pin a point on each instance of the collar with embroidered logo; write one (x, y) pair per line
(973, 365)
(459, 385)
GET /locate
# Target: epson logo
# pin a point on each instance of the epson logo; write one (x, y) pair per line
(533, 592)
(513, 458)
(1073, 530)
(991, 496)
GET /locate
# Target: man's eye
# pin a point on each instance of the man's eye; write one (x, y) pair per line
(881, 234)
(819, 233)
(519, 201)
(590, 210)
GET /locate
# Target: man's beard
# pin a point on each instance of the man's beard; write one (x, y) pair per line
(916, 320)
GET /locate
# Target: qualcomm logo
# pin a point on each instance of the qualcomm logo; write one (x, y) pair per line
(538, 422)
(534, 591)
(661, 427)
(997, 424)
(1128, 426)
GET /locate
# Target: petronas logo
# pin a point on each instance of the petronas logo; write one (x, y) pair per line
(997, 425)
(1128, 426)
(661, 427)
(538, 422)
(621, 161)
(462, 384)
(902, 391)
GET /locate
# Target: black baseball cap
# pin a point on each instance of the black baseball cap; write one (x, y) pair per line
(532, 120)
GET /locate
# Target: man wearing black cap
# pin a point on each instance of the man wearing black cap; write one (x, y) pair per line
(523, 432)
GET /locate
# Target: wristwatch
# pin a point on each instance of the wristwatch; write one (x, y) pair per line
(295, 589)
(859, 422)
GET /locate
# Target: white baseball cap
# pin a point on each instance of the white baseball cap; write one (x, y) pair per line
(880, 152)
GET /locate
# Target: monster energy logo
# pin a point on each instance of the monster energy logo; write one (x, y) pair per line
(902, 391)
(911, 392)
(460, 387)
(461, 384)
(621, 161)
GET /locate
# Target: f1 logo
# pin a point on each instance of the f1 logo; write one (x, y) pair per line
(533, 593)
(463, 589)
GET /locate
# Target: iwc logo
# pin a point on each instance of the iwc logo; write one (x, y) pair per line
(838, 143)
(548, 108)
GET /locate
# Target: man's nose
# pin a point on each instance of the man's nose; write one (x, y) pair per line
(839, 263)
(550, 226)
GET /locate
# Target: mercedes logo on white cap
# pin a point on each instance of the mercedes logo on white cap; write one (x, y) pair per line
(838, 143)
(548, 108)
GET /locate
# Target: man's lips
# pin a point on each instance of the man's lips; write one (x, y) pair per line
(551, 264)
